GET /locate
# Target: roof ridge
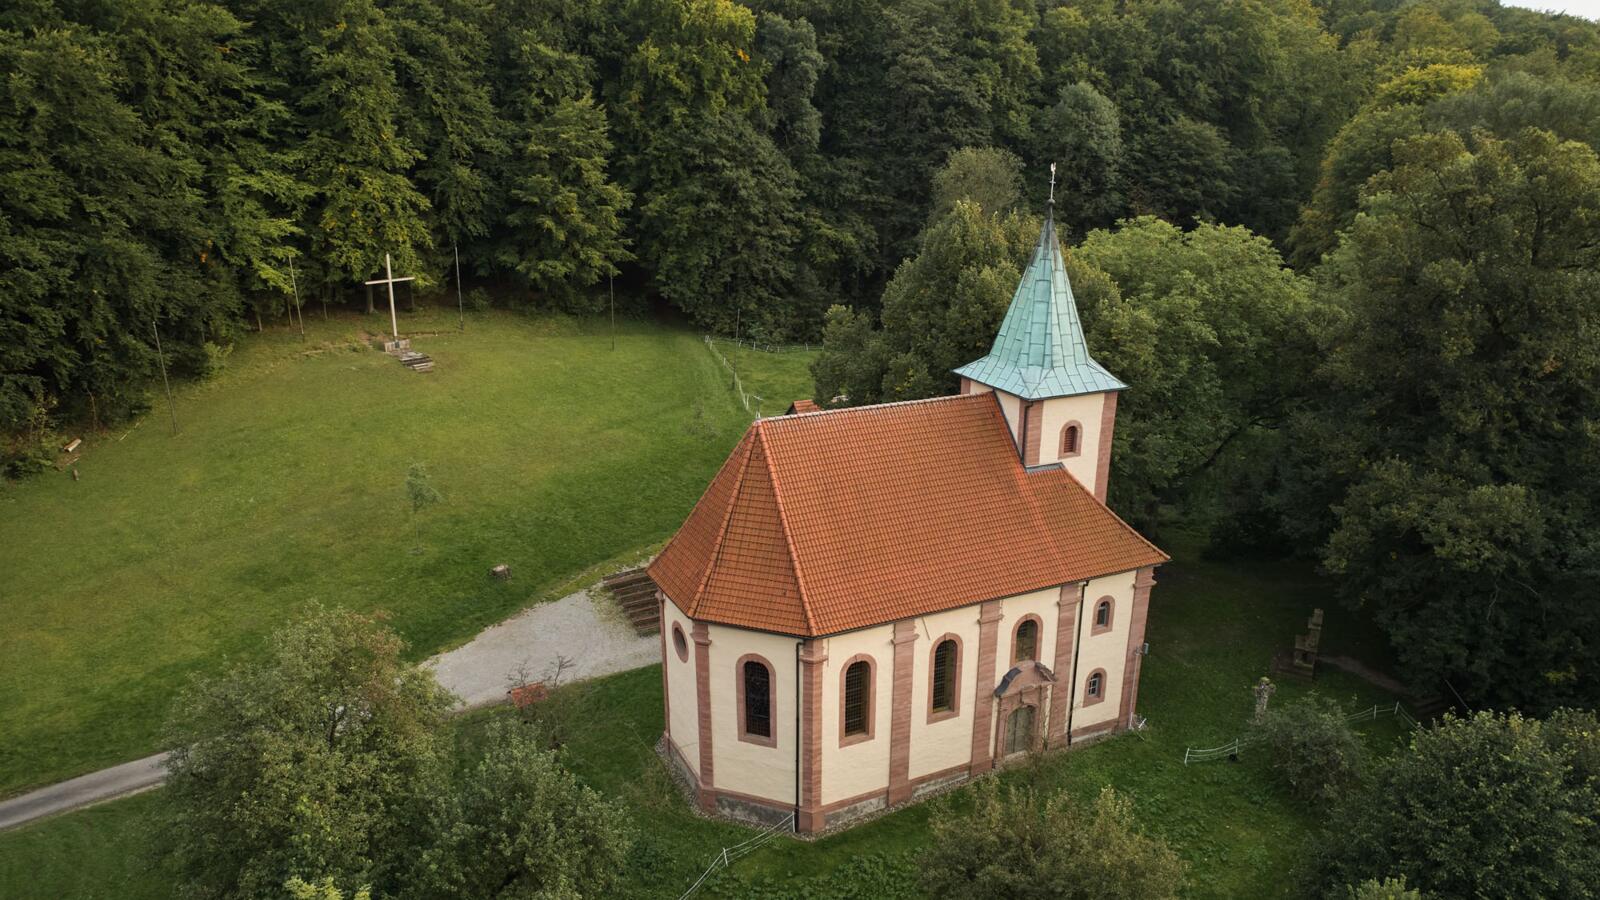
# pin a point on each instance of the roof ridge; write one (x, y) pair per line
(783, 521)
(727, 516)
(868, 407)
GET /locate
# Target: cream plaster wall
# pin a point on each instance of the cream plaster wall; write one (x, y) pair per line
(1107, 651)
(863, 766)
(936, 746)
(1086, 410)
(741, 766)
(682, 702)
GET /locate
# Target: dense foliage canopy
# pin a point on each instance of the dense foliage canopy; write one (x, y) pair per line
(1488, 806)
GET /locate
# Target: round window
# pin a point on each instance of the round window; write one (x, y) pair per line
(679, 643)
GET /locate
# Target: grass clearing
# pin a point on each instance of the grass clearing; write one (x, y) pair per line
(285, 485)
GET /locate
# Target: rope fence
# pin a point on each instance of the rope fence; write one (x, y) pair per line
(768, 348)
(738, 386)
(730, 855)
(1233, 747)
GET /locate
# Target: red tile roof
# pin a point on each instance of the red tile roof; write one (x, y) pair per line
(819, 524)
(804, 406)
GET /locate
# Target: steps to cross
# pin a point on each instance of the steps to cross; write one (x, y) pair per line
(636, 596)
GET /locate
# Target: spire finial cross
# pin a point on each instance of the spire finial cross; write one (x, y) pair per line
(1052, 183)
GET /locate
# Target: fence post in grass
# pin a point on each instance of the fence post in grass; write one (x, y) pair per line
(161, 358)
(461, 303)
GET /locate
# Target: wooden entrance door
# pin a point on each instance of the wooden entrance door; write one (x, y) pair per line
(1019, 730)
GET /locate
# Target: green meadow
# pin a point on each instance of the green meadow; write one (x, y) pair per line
(285, 485)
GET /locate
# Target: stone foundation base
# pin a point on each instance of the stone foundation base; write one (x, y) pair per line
(747, 810)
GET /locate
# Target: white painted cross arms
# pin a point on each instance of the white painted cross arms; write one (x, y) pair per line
(390, 280)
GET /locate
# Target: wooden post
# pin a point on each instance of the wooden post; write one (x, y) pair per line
(162, 359)
(461, 305)
(296, 286)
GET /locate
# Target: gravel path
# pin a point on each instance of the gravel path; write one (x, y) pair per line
(596, 640)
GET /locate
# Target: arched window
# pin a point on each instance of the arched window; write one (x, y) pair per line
(943, 695)
(756, 701)
(1025, 645)
(1094, 690)
(856, 705)
(1103, 610)
(1071, 439)
(679, 643)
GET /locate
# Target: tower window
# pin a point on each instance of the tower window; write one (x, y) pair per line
(1071, 439)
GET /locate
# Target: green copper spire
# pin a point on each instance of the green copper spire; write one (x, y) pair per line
(1040, 351)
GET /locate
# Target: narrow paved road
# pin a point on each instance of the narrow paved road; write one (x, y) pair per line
(116, 781)
(594, 641)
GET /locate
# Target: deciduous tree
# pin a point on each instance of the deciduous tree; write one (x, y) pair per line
(321, 761)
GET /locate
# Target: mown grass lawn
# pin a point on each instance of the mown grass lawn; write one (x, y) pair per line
(285, 486)
(1213, 627)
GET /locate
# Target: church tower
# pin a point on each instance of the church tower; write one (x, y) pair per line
(1061, 405)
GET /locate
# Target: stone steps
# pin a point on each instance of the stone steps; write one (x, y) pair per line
(635, 595)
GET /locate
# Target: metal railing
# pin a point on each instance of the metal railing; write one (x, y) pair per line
(730, 855)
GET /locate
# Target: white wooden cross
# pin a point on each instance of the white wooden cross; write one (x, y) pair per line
(388, 270)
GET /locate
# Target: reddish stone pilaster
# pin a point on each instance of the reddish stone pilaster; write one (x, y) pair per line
(1066, 633)
(905, 638)
(809, 817)
(1142, 582)
(702, 692)
(666, 693)
(1108, 424)
(966, 385)
(1032, 429)
(983, 703)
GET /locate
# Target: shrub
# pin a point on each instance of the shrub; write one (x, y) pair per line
(1495, 805)
(1014, 844)
(521, 825)
(25, 455)
(1387, 889)
(1314, 751)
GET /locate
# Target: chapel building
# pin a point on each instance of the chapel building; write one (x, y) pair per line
(872, 603)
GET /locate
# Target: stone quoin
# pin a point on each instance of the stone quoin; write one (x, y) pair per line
(856, 583)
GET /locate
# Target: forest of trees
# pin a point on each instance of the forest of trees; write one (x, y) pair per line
(1344, 250)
